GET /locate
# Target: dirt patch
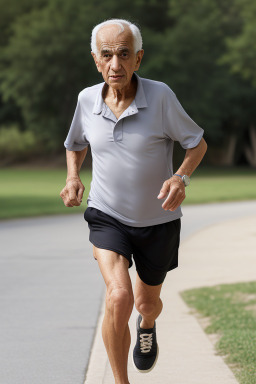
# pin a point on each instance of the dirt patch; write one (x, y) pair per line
(206, 322)
(243, 297)
(251, 308)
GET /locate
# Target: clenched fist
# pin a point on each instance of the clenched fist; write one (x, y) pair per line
(72, 193)
(174, 191)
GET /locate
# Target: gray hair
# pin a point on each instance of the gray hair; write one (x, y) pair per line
(137, 38)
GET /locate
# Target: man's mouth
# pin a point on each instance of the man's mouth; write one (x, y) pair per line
(116, 76)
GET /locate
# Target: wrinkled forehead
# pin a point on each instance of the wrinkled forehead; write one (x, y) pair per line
(111, 37)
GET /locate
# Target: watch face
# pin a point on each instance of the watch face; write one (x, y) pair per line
(186, 180)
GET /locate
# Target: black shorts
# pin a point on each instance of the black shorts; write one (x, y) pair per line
(154, 248)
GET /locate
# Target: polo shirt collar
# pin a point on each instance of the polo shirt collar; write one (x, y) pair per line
(140, 99)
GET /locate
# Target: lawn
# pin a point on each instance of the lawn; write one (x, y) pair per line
(25, 193)
(221, 184)
(229, 310)
(30, 192)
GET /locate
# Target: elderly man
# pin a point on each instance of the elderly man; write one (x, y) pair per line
(131, 124)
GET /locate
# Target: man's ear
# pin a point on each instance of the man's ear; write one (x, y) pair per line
(139, 58)
(96, 61)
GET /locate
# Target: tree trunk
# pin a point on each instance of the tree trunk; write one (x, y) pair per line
(224, 154)
(228, 153)
(250, 151)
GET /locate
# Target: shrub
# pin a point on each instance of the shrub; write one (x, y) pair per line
(16, 145)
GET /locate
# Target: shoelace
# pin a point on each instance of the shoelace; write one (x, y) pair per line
(146, 342)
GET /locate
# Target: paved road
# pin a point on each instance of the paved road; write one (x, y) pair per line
(51, 291)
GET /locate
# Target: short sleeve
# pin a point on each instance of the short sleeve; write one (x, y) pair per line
(76, 139)
(178, 124)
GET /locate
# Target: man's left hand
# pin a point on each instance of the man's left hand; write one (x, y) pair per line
(174, 189)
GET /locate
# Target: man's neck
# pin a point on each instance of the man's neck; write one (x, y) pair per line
(117, 96)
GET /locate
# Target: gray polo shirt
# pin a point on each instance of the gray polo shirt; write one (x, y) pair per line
(132, 155)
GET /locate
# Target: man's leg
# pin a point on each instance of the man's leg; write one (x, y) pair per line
(147, 302)
(118, 309)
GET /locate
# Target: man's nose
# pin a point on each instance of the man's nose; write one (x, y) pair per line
(115, 63)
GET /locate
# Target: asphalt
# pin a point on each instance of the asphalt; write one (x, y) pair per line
(52, 298)
(50, 295)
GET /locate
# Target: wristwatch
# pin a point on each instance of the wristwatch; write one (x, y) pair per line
(184, 178)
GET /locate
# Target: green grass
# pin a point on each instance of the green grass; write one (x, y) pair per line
(30, 192)
(231, 312)
(219, 185)
(25, 193)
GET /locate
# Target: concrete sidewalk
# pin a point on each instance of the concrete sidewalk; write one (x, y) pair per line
(222, 253)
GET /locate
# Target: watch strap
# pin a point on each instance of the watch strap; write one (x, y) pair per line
(185, 179)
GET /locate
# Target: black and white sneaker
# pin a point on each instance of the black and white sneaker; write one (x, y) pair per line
(145, 352)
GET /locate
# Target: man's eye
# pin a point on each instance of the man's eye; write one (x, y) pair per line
(108, 55)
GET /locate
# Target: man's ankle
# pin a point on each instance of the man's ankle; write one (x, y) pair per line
(147, 324)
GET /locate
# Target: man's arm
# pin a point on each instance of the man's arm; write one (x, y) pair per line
(72, 193)
(174, 189)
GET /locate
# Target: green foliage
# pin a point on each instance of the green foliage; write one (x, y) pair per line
(48, 61)
(45, 60)
(241, 48)
(11, 11)
(16, 145)
(188, 61)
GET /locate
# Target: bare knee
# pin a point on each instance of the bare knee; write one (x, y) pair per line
(147, 308)
(119, 299)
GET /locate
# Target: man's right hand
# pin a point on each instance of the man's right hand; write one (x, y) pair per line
(72, 193)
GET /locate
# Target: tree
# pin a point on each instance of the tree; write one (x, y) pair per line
(241, 48)
(48, 61)
(187, 57)
(45, 62)
(10, 12)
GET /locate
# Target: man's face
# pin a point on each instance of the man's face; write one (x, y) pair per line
(116, 59)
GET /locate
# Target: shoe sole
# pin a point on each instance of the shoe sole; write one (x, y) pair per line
(146, 370)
